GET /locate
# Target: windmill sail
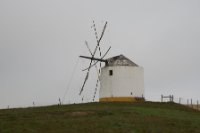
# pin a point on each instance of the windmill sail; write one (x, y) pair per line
(91, 59)
(97, 60)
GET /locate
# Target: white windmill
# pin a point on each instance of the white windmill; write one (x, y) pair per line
(120, 79)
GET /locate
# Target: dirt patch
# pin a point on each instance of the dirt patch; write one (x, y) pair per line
(197, 107)
(81, 113)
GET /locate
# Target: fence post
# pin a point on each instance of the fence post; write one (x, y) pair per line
(179, 100)
(191, 103)
(59, 101)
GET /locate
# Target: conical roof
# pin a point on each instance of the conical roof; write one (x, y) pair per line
(120, 60)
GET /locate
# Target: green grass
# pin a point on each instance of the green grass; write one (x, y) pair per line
(145, 117)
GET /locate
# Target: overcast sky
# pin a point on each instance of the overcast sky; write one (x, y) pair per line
(40, 41)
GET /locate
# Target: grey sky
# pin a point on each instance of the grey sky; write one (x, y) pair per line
(40, 42)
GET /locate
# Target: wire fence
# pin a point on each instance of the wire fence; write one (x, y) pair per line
(192, 103)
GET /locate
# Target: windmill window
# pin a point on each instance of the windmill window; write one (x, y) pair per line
(110, 72)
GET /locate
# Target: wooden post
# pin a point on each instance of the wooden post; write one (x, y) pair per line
(179, 100)
(59, 101)
(191, 103)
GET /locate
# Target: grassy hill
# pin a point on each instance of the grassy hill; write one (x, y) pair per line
(145, 117)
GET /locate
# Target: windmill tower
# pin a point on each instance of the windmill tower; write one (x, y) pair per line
(120, 79)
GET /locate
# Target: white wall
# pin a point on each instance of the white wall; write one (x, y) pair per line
(125, 79)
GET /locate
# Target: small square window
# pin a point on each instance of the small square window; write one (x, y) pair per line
(110, 72)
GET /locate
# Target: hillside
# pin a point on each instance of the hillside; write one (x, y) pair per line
(145, 117)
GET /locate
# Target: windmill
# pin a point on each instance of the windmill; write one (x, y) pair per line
(93, 60)
(122, 80)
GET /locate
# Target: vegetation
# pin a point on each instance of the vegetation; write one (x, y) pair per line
(146, 117)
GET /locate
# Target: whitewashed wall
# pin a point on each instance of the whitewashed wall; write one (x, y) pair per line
(125, 79)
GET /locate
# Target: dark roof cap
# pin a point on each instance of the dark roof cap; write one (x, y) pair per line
(120, 60)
